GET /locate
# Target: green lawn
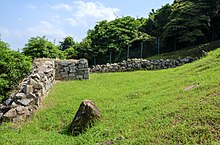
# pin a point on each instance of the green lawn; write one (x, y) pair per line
(142, 107)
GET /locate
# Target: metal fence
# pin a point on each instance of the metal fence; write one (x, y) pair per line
(140, 50)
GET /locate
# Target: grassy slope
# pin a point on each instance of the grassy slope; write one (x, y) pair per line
(194, 51)
(139, 107)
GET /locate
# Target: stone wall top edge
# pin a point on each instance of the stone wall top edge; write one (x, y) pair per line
(58, 60)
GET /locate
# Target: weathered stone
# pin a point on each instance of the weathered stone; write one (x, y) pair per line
(79, 77)
(84, 117)
(2, 107)
(37, 101)
(65, 76)
(64, 63)
(34, 88)
(28, 89)
(72, 70)
(20, 95)
(38, 86)
(85, 76)
(31, 96)
(66, 69)
(44, 79)
(47, 86)
(13, 105)
(32, 81)
(48, 70)
(21, 110)
(35, 76)
(8, 101)
(140, 64)
(64, 73)
(1, 114)
(10, 115)
(25, 102)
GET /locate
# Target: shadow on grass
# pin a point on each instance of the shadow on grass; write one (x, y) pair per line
(67, 131)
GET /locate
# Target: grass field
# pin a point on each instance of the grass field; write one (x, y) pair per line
(142, 107)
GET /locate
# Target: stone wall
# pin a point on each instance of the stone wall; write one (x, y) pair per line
(140, 64)
(29, 93)
(72, 69)
(32, 89)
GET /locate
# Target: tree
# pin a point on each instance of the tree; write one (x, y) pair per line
(40, 47)
(67, 43)
(14, 67)
(70, 53)
(3, 45)
(186, 26)
(154, 25)
(115, 36)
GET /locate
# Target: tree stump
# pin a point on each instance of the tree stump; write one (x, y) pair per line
(84, 117)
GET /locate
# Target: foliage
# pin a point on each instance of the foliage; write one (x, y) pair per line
(67, 43)
(184, 23)
(3, 46)
(85, 50)
(70, 53)
(142, 107)
(40, 47)
(114, 36)
(154, 25)
(186, 26)
(181, 24)
(14, 67)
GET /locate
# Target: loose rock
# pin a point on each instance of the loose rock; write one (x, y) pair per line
(84, 117)
(25, 102)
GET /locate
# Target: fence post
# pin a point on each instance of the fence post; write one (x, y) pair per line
(94, 61)
(142, 44)
(128, 52)
(158, 45)
(110, 57)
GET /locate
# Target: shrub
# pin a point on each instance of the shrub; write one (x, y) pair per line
(14, 66)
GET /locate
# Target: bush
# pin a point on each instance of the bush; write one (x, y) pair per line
(14, 67)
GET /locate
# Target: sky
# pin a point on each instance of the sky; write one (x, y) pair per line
(56, 19)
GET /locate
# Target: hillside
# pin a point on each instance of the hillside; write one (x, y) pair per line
(173, 106)
(193, 51)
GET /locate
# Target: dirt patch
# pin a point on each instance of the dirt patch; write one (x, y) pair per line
(191, 87)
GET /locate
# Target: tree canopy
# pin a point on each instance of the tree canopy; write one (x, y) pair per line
(40, 47)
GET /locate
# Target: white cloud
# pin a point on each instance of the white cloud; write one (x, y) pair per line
(94, 10)
(32, 7)
(21, 20)
(18, 37)
(82, 13)
(62, 7)
(46, 28)
(71, 21)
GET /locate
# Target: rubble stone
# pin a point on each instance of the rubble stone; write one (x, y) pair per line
(140, 64)
(84, 117)
(33, 89)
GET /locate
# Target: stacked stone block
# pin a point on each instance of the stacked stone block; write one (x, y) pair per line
(72, 70)
(29, 93)
(32, 89)
(140, 64)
